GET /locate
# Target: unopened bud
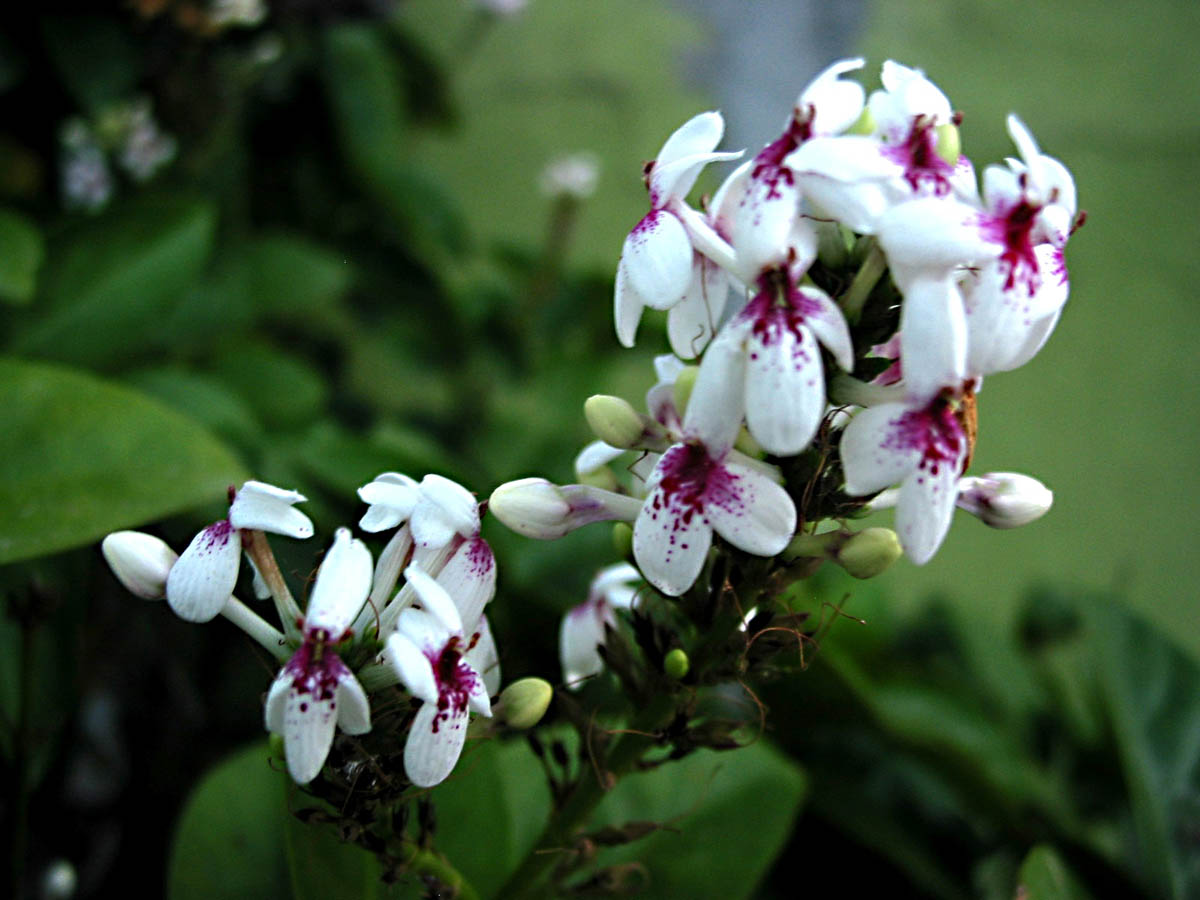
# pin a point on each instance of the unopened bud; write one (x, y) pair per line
(523, 703)
(864, 124)
(870, 552)
(1004, 499)
(949, 142)
(685, 380)
(540, 509)
(676, 664)
(618, 424)
(622, 538)
(140, 561)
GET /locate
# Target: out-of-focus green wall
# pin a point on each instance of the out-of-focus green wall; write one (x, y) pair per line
(1107, 414)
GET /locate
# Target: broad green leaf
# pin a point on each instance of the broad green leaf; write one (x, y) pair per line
(83, 457)
(1044, 876)
(292, 276)
(230, 839)
(112, 279)
(1152, 691)
(283, 388)
(21, 252)
(203, 398)
(725, 818)
(323, 867)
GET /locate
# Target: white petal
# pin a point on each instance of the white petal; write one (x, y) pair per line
(469, 577)
(579, 637)
(412, 666)
(850, 158)
(1038, 335)
(699, 134)
(762, 225)
(478, 699)
(857, 205)
(627, 306)
(618, 575)
(204, 575)
(264, 507)
(434, 599)
(692, 321)
(140, 561)
(309, 720)
(932, 236)
(341, 588)
(1022, 137)
(388, 567)
(933, 337)
(484, 658)
(836, 103)
(1001, 323)
(434, 744)
(825, 319)
(455, 505)
(672, 182)
(595, 455)
(754, 513)
(273, 711)
(872, 454)
(658, 259)
(714, 412)
(353, 707)
(785, 387)
(392, 498)
(425, 630)
(925, 509)
(672, 534)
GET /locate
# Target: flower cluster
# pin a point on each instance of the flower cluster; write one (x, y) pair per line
(415, 617)
(843, 292)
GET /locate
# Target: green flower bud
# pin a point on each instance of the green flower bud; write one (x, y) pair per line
(747, 444)
(602, 478)
(622, 538)
(949, 142)
(523, 703)
(864, 124)
(870, 552)
(617, 423)
(676, 664)
(684, 382)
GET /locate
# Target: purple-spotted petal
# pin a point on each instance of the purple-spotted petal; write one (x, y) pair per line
(343, 582)
(933, 235)
(204, 575)
(309, 719)
(484, 658)
(1001, 323)
(435, 742)
(411, 666)
(785, 381)
(825, 319)
(264, 507)
(933, 337)
(754, 514)
(424, 629)
(925, 509)
(469, 577)
(874, 451)
(762, 224)
(353, 707)
(657, 257)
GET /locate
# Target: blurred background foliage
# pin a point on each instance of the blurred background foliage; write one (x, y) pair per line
(316, 247)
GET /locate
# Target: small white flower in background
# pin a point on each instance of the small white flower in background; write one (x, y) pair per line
(920, 446)
(204, 577)
(572, 176)
(316, 691)
(237, 13)
(582, 631)
(503, 7)
(87, 181)
(1004, 499)
(440, 664)
(144, 148)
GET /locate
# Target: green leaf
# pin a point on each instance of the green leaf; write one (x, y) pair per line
(726, 816)
(293, 276)
(323, 867)
(112, 279)
(21, 252)
(1044, 876)
(83, 457)
(284, 389)
(1152, 693)
(230, 841)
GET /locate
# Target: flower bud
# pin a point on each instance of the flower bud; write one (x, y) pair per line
(622, 538)
(870, 552)
(864, 124)
(523, 703)
(949, 142)
(140, 561)
(540, 509)
(618, 424)
(1004, 499)
(685, 380)
(676, 664)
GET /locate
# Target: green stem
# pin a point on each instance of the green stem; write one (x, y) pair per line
(21, 754)
(423, 862)
(259, 550)
(594, 783)
(872, 269)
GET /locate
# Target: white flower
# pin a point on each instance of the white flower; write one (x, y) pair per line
(140, 561)
(571, 176)
(440, 665)
(436, 509)
(702, 485)
(658, 264)
(582, 631)
(540, 509)
(1004, 499)
(204, 577)
(316, 691)
(921, 446)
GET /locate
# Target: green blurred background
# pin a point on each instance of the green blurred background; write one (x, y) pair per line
(349, 267)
